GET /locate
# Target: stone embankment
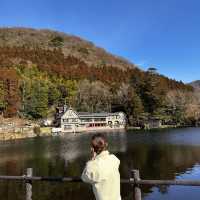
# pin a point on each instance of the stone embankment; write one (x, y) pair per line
(7, 133)
(23, 132)
(20, 129)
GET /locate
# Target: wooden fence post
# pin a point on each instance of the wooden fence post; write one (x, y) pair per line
(137, 191)
(29, 173)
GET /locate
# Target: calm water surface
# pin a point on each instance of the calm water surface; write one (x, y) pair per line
(164, 154)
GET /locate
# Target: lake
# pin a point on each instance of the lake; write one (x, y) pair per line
(160, 154)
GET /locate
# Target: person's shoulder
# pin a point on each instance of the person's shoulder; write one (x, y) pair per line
(91, 164)
(114, 158)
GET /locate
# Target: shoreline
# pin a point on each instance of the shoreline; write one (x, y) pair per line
(32, 132)
(155, 128)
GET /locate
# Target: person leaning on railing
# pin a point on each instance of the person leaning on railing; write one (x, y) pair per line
(102, 171)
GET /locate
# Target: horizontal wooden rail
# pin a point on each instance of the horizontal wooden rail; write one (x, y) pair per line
(40, 178)
(50, 179)
(168, 182)
(134, 180)
(78, 179)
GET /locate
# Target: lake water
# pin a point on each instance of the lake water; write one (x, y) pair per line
(164, 154)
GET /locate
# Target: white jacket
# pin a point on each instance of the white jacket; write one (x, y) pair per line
(103, 174)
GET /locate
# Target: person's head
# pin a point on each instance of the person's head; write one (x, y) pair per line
(99, 143)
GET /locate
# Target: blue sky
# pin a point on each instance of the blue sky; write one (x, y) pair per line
(161, 33)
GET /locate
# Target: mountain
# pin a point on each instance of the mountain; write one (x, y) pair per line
(195, 84)
(69, 44)
(41, 69)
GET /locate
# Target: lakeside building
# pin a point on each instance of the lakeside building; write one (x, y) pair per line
(72, 121)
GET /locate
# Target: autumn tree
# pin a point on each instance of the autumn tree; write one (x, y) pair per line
(131, 103)
(2, 97)
(93, 96)
(183, 106)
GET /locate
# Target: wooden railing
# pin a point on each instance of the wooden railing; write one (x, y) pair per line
(134, 180)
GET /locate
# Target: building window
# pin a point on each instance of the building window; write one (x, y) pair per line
(67, 127)
(74, 120)
(91, 125)
(69, 120)
(86, 120)
(100, 119)
(117, 123)
(65, 120)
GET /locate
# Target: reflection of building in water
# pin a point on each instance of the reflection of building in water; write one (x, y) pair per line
(74, 147)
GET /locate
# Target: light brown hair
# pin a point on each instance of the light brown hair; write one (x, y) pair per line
(99, 143)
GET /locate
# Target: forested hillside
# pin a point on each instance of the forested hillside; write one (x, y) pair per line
(41, 69)
(70, 45)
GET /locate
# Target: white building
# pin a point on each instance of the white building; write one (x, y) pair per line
(72, 121)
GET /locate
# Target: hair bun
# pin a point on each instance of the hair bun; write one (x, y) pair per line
(99, 143)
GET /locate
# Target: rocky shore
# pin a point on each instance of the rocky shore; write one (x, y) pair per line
(16, 128)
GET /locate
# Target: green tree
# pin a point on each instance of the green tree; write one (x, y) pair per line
(53, 95)
(152, 93)
(36, 104)
(57, 41)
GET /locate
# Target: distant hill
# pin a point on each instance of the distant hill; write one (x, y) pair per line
(195, 84)
(71, 45)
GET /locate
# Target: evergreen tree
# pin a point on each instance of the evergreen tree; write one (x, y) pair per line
(37, 102)
(53, 95)
(152, 93)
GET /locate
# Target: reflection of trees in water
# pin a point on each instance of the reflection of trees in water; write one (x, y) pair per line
(21, 151)
(66, 156)
(117, 142)
(159, 161)
(10, 190)
(79, 145)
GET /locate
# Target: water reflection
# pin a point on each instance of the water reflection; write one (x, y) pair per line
(181, 192)
(167, 154)
(73, 147)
